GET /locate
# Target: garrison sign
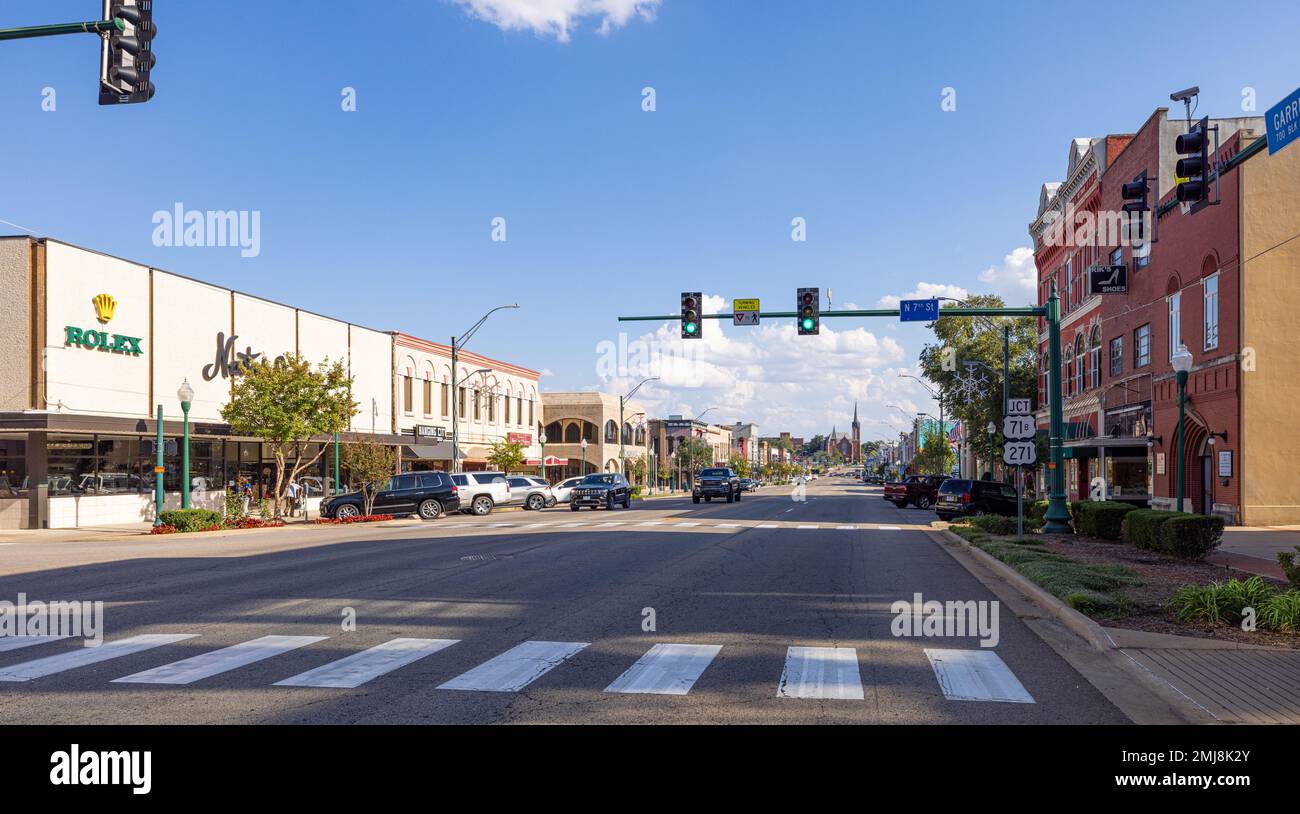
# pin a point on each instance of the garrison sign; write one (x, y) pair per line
(95, 339)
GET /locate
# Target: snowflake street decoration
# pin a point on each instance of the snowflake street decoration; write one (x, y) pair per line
(973, 385)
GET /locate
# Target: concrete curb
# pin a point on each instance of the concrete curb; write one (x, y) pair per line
(1073, 620)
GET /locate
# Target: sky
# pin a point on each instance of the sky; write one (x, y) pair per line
(528, 120)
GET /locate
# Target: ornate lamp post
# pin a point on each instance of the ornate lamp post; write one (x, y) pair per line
(992, 430)
(584, 457)
(542, 438)
(1182, 362)
(186, 395)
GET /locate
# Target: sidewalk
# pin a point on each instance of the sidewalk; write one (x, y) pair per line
(1254, 548)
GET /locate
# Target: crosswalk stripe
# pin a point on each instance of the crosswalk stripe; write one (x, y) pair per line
(569, 525)
(500, 525)
(666, 669)
(821, 672)
(889, 528)
(535, 525)
(686, 524)
(516, 668)
(806, 527)
(768, 526)
(8, 643)
(89, 655)
(358, 668)
(215, 662)
(728, 525)
(976, 675)
(612, 523)
(845, 528)
(652, 523)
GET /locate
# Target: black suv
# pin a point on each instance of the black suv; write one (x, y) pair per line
(607, 489)
(716, 482)
(427, 494)
(958, 496)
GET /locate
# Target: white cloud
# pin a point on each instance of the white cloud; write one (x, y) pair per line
(1016, 280)
(925, 291)
(556, 18)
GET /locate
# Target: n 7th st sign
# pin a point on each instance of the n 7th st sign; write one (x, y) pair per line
(1057, 518)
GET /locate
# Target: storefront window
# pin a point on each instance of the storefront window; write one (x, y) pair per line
(13, 468)
(118, 471)
(71, 464)
(1127, 478)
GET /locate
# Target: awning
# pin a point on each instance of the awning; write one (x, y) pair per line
(551, 460)
(428, 452)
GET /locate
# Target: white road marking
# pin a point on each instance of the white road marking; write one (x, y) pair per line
(768, 526)
(89, 655)
(729, 525)
(846, 528)
(821, 672)
(536, 525)
(8, 643)
(516, 668)
(652, 523)
(666, 669)
(612, 523)
(805, 527)
(976, 675)
(686, 524)
(569, 525)
(499, 525)
(206, 665)
(358, 668)
(888, 528)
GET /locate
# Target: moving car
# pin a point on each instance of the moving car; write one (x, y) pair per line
(718, 481)
(480, 492)
(564, 489)
(608, 489)
(427, 494)
(920, 491)
(959, 497)
(748, 485)
(534, 493)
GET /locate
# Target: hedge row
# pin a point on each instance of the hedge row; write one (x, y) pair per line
(1100, 518)
(184, 520)
(1190, 536)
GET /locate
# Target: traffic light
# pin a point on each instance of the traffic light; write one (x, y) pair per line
(691, 314)
(809, 308)
(1192, 171)
(1135, 206)
(126, 57)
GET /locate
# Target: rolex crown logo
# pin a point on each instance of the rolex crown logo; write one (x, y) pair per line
(104, 306)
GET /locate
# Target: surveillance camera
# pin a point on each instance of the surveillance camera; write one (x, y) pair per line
(1184, 95)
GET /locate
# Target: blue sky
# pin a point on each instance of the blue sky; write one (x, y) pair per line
(766, 111)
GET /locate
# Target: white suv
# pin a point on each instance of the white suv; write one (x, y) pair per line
(480, 492)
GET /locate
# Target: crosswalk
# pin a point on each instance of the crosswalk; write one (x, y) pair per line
(667, 524)
(666, 668)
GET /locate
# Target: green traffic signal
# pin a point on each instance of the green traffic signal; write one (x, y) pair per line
(690, 327)
(807, 324)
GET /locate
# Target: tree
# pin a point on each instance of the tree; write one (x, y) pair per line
(936, 456)
(694, 453)
(506, 456)
(287, 404)
(369, 464)
(739, 465)
(637, 468)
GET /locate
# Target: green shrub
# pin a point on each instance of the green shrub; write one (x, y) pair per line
(1190, 536)
(1281, 611)
(1286, 559)
(1141, 527)
(1100, 518)
(190, 519)
(1036, 510)
(996, 524)
(1223, 602)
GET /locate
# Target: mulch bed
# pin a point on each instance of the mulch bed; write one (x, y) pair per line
(1162, 575)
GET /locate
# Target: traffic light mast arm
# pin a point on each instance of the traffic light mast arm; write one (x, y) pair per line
(89, 27)
(1027, 311)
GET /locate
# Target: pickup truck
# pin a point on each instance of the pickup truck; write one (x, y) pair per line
(920, 491)
(716, 482)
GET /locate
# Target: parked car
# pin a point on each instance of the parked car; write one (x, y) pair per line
(748, 485)
(959, 496)
(533, 493)
(564, 489)
(481, 492)
(427, 494)
(920, 491)
(718, 481)
(608, 489)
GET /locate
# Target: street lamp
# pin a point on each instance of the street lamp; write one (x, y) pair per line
(584, 457)
(1182, 362)
(992, 430)
(455, 353)
(542, 467)
(186, 395)
(622, 401)
(455, 410)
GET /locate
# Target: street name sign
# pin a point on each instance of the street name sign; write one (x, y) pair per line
(1108, 279)
(918, 310)
(1283, 122)
(744, 312)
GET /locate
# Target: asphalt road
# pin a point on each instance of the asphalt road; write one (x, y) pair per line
(562, 598)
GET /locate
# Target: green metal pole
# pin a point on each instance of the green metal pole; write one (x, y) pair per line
(455, 406)
(90, 27)
(337, 490)
(542, 465)
(1182, 412)
(158, 444)
(185, 459)
(1006, 389)
(622, 465)
(1057, 518)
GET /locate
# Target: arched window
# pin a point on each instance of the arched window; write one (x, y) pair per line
(640, 436)
(627, 433)
(1044, 390)
(611, 432)
(1094, 357)
(1068, 381)
(572, 435)
(589, 432)
(555, 432)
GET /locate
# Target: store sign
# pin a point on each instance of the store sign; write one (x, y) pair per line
(1108, 279)
(521, 438)
(1225, 463)
(229, 362)
(430, 431)
(94, 339)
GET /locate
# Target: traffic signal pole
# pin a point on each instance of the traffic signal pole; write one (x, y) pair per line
(89, 27)
(1058, 513)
